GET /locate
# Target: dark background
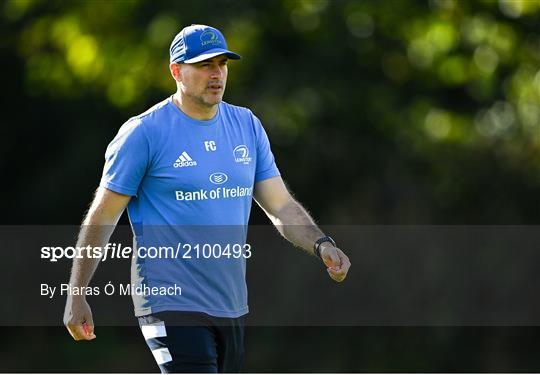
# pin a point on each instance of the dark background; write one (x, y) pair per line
(391, 112)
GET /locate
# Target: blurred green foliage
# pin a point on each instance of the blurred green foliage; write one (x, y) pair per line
(402, 102)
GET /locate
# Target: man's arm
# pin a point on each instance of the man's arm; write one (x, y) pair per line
(96, 229)
(295, 224)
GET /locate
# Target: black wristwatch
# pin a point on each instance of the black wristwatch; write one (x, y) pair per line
(319, 242)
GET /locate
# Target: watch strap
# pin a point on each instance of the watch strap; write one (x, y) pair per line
(319, 242)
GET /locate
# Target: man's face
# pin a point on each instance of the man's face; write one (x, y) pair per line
(204, 82)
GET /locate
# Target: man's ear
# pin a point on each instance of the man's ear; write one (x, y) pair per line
(176, 72)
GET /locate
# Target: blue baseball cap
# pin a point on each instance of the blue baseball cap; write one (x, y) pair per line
(197, 43)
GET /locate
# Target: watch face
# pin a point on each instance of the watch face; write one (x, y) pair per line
(327, 239)
(320, 241)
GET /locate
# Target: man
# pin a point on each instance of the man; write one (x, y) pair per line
(188, 169)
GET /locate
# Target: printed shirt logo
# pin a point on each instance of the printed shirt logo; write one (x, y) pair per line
(184, 160)
(210, 145)
(218, 178)
(209, 37)
(241, 154)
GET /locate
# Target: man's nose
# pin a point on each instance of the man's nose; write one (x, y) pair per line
(217, 72)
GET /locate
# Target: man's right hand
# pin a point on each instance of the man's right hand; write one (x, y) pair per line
(102, 217)
(78, 318)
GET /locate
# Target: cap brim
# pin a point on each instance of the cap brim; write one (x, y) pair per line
(213, 53)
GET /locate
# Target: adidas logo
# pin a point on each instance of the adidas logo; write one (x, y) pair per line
(184, 160)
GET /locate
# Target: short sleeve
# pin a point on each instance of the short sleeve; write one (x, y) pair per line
(126, 159)
(266, 165)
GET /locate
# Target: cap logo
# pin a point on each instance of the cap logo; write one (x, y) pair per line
(209, 37)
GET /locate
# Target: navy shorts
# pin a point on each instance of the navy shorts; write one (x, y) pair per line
(183, 341)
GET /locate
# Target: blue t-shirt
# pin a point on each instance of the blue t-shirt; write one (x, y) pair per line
(191, 184)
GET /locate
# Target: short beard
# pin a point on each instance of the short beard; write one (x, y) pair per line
(200, 100)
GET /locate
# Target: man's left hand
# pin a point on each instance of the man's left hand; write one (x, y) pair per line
(337, 262)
